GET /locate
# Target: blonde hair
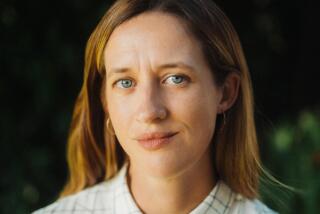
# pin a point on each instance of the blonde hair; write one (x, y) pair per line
(95, 155)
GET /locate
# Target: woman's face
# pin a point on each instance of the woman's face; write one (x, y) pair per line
(158, 82)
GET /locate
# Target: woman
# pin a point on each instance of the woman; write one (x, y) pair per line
(164, 121)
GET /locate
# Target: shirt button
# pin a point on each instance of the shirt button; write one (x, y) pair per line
(239, 196)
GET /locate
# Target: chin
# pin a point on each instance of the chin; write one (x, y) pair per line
(165, 166)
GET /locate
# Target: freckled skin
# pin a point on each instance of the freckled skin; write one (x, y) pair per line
(142, 44)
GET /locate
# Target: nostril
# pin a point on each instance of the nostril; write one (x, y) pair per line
(162, 114)
(150, 116)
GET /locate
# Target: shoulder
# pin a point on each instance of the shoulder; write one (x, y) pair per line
(247, 206)
(99, 196)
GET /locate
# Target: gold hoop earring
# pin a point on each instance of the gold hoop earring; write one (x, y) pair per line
(224, 118)
(223, 123)
(109, 127)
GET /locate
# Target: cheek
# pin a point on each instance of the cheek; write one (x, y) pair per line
(120, 115)
(197, 111)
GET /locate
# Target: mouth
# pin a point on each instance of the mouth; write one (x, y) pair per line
(156, 141)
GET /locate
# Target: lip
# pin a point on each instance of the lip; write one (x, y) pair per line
(155, 140)
(155, 135)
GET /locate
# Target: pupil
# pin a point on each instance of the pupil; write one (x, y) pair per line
(177, 79)
(126, 83)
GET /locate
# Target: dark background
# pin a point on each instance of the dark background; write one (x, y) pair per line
(41, 59)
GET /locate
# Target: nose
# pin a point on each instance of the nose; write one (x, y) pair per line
(151, 107)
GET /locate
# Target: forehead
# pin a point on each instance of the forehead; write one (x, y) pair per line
(158, 35)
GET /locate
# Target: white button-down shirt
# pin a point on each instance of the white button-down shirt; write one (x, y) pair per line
(113, 197)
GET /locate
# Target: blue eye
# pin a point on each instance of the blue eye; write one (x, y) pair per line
(124, 83)
(177, 79)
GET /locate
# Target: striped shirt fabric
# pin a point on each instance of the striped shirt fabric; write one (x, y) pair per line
(113, 197)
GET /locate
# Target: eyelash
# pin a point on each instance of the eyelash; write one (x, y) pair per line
(185, 78)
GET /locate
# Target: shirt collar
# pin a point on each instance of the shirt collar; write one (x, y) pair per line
(219, 200)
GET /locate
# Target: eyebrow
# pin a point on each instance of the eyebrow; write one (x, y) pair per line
(159, 68)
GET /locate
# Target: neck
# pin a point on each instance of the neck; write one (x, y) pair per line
(179, 194)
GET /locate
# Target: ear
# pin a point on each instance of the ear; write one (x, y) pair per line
(230, 90)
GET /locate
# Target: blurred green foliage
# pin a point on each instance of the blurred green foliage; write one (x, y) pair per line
(294, 158)
(41, 60)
